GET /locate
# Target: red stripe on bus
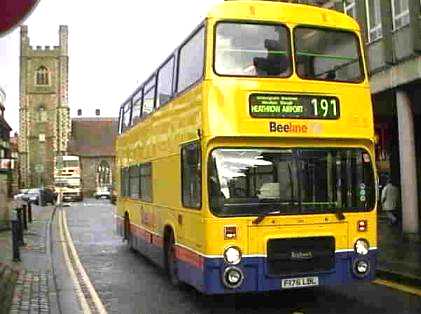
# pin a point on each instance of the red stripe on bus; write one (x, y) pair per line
(181, 253)
(189, 257)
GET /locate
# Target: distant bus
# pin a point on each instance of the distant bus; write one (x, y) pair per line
(67, 180)
(245, 161)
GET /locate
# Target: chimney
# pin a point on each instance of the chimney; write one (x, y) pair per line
(79, 112)
(97, 112)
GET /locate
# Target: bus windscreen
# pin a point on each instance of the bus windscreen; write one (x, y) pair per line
(244, 182)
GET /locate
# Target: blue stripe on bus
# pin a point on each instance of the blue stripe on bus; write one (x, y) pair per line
(207, 277)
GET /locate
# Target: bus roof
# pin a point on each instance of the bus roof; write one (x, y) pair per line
(283, 12)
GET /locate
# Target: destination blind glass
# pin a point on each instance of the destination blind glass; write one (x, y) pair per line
(294, 106)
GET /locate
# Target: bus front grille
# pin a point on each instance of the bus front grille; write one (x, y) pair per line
(300, 255)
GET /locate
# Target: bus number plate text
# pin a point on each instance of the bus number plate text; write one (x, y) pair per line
(299, 282)
(293, 106)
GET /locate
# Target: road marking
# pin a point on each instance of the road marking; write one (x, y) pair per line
(398, 286)
(86, 281)
(78, 289)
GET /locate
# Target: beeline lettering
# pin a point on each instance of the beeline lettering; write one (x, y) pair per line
(287, 127)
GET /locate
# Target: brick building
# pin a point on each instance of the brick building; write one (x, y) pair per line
(93, 140)
(44, 112)
(5, 174)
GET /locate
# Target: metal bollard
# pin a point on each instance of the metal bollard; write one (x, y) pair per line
(15, 237)
(20, 226)
(30, 212)
(24, 211)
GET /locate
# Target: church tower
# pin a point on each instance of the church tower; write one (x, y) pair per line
(43, 109)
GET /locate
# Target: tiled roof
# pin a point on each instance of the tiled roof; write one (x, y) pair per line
(93, 137)
(4, 124)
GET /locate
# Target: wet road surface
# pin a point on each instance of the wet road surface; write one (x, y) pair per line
(128, 283)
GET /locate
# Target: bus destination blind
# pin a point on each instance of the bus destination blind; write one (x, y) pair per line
(293, 106)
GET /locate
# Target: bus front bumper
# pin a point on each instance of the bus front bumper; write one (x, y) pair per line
(211, 275)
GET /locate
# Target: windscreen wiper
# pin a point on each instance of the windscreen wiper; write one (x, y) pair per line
(265, 213)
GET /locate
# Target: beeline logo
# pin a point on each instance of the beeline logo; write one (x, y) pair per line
(287, 127)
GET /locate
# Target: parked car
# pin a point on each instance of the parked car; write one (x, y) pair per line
(102, 192)
(41, 196)
(22, 195)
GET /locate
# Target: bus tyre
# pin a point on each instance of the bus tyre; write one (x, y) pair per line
(171, 261)
(127, 233)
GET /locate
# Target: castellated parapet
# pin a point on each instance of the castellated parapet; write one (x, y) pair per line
(44, 113)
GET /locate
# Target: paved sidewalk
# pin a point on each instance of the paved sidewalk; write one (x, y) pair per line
(399, 258)
(34, 290)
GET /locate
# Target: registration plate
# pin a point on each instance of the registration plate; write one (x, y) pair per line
(299, 282)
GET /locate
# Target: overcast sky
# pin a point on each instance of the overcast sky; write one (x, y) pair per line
(113, 47)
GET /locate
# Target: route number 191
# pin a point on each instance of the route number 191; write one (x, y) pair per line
(325, 107)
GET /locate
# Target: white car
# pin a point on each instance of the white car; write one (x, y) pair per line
(22, 195)
(102, 192)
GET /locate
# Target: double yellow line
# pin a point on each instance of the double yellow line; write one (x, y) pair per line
(398, 286)
(85, 291)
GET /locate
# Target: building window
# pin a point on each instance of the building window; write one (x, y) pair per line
(349, 8)
(42, 76)
(191, 171)
(374, 22)
(41, 138)
(400, 12)
(42, 114)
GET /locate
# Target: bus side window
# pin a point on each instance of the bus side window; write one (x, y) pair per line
(191, 171)
(165, 83)
(149, 97)
(190, 72)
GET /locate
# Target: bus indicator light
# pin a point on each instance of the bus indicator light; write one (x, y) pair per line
(362, 225)
(230, 232)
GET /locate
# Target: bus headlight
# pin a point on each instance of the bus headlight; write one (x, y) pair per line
(233, 277)
(232, 255)
(361, 247)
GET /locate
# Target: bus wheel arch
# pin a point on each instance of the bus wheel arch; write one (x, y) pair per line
(170, 262)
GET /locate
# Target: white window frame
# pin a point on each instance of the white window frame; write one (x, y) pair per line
(350, 8)
(376, 32)
(41, 137)
(401, 15)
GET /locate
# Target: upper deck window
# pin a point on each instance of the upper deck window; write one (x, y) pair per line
(400, 11)
(127, 115)
(244, 49)
(325, 54)
(374, 20)
(349, 8)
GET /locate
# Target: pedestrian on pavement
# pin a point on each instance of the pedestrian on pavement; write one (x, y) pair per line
(390, 201)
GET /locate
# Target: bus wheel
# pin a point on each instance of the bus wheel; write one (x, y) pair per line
(171, 261)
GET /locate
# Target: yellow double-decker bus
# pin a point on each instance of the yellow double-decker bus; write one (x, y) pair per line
(246, 159)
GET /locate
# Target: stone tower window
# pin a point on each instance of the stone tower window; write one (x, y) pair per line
(42, 114)
(42, 76)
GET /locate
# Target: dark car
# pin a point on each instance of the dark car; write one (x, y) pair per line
(41, 196)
